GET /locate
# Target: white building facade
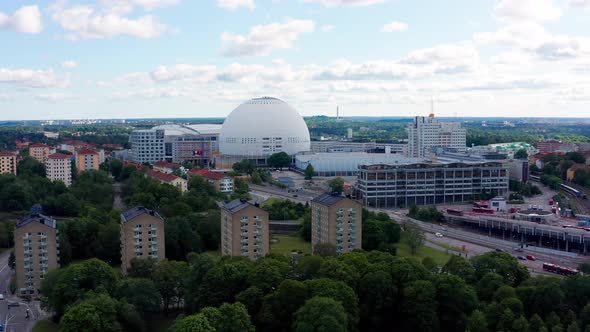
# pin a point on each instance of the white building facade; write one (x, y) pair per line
(425, 133)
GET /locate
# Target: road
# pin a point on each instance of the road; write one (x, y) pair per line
(303, 196)
(14, 319)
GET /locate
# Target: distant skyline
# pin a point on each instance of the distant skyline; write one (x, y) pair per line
(77, 59)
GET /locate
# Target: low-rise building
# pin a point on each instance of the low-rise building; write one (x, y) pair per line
(59, 168)
(428, 183)
(170, 179)
(518, 170)
(142, 236)
(571, 172)
(244, 230)
(220, 181)
(39, 151)
(166, 167)
(36, 251)
(338, 221)
(341, 146)
(7, 162)
(87, 159)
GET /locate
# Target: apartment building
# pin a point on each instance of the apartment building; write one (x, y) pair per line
(170, 179)
(220, 181)
(142, 236)
(39, 151)
(244, 230)
(59, 168)
(425, 133)
(147, 146)
(36, 251)
(165, 166)
(427, 183)
(338, 221)
(7, 162)
(87, 159)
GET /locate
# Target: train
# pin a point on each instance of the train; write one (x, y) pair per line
(587, 229)
(571, 190)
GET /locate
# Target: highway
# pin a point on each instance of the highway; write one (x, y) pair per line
(14, 318)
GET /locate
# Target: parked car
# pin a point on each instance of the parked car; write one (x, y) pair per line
(1, 296)
(499, 250)
(13, 304)
(1, 327)
(438, 235)
(519, 249)
(522, 258)
(531, 258)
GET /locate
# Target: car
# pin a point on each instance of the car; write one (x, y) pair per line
(531, 258)
(438, 235)
(519, 249)
(13, 304)
(1, 327)
(522, 258)
(1, 296)
(499, 250)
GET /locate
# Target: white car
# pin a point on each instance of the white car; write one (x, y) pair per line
(438, 235)
(1, 296)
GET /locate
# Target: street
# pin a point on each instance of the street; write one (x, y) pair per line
(14, 318)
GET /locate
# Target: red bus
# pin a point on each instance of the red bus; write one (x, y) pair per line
(564, 271)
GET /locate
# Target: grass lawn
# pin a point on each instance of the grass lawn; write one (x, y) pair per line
(403, 250)
(45, 326)
(288, 243)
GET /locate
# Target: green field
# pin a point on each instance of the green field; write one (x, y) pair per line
(403, 250)
(45, 326)
(289, 243)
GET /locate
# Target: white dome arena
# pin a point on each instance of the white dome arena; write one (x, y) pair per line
(263, 126)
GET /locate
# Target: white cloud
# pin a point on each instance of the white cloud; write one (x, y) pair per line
(32, 78)
(88, 22)
(394, 27)
(236, 4)
(54, 97)
(327, 28)
(127, 6)
(69, 64)
(183, 72)
(264, 39)
(527, 10)
(336, 3)
(27, 19)
(579, 3)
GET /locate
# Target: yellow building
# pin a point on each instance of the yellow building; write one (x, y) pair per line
(7, 162)
(87, 159)
(244, 230)
(142, 236)
(338, 221)
(36, 251)
(59, 168)
(39, 151)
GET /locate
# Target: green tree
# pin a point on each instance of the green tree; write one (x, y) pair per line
(585, 315)
(251, 298)
(279, 160)
(336, 185)
(573, 327)
(501, 263)
(141, 293)
(460, 267)
(506, 321)
(309, 172)
(245, 166)
(456, 300)
(83, 317)
(169, 278)
(477, 322)
(415, 237)
(338, 291)
(419, 306)
(520, 325)
(536, 323)
(321, 314)
(193, 323)
(141, 267)
(278, 308)
(229, 318)
(521, 154)
(268, 273)
(377, 294)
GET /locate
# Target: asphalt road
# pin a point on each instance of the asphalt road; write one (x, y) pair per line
(14, 318)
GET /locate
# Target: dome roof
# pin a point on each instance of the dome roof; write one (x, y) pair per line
(263, 126)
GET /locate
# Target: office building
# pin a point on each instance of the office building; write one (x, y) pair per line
(425, 133)
(338, 221)
(342, 146)
(346, 164)
(39, 151)
(7, 162)
(59, 168)
(197, 143)
(427, 183)
(36, 251)
(244, 230)
(220, 181)
(518, 170)
(142, 236)
(170, 179)
(87, 159)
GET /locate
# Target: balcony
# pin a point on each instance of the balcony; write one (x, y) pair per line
(244, 228)
(44, 259)
(26, 237)
(154, 243)
(353, 237)
(244, 241)
(258, 227)
(352, 224)
(44, 265)
(154, 256)
(154, 236)
(353, 231)
(136, 243)
(244, 234)
(137, 236)
(27, 252)
(43, 236)
(244, 253)
(137, 251)
(43, 251)
(339, 232)
(339, 238)
(153, 228)
(353, 244)
(244, 247)
(27, 259)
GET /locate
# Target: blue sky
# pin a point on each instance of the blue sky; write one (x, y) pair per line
(201, 58)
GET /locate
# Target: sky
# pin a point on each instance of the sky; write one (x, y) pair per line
(80, 59)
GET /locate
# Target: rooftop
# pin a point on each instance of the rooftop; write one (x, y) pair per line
(236, 205)
(161, 175)
(38, 145)
(87, 151)
(35, 217)
(138, 211)
(7, 154)
(207, 174)
(59, 156)
(166, 164)
(327, 199)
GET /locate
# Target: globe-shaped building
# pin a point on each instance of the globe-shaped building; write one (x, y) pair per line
(263, 126)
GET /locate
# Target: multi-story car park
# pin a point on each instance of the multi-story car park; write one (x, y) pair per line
(401, 185)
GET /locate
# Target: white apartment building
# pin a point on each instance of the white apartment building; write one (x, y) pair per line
(147, 146)
(425, 133)
(59, 168)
